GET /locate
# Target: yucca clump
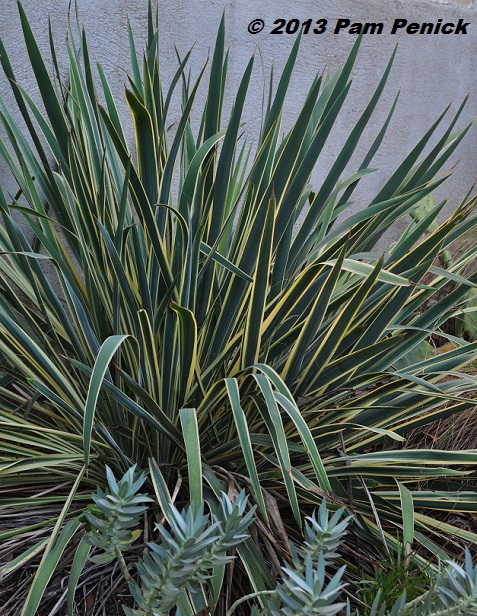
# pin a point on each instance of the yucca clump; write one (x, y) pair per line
(231, 331)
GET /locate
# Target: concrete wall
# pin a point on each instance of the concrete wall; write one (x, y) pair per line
(430, 70)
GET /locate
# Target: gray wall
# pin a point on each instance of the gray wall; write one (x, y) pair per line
(430, 70)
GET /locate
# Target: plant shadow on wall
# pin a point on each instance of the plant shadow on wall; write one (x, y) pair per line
(201, 338)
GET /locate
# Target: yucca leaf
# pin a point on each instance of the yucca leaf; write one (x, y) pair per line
(160, 488)
(407, 507)
(140, 199)
(335, 334)
(49, 97)
(215, 93)
(81, 556)
(273, 420)
(12, 80)
(166, 181)
(111, 105)
(282, 89)
(105, 354)
(245, 442)
(24, 557)
(338, 372)
(364, 269)
(193, 175)
(207, 250)
(252, 335)
(223, 183)
(155, 417)
(44, 574)
(188, 349)
(122, 278)
(149, 360)
(16, 343)
(314, 320)
(53, 550)
(190, 431)
(388, 473)
(45, 129)
(290, 407)
(145, 146)
(177, 76)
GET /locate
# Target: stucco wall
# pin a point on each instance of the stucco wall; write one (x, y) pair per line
(430, 70)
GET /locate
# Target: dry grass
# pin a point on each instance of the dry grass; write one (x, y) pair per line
(100, 592)
(453, 433)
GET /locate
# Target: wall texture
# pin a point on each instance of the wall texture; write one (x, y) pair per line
(430, 70)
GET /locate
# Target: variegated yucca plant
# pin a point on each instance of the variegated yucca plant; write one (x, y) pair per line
(208, 312)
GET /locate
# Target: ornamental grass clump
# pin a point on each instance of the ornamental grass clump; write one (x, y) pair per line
(212, 316)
